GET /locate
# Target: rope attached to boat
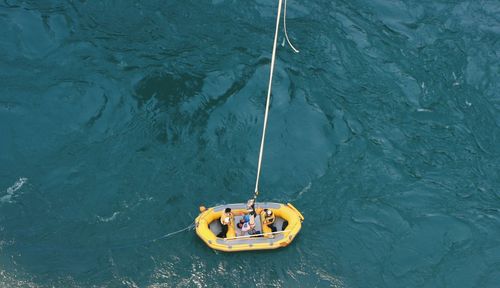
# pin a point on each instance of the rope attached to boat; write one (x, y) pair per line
(273, 58)
(146, 242)
(190, 227)
(266, 113)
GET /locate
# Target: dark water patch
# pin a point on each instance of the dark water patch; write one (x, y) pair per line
(171, 89)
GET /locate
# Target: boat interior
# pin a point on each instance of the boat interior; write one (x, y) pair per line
(216, 226)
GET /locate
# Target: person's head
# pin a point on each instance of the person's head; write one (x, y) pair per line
(240, 224)
(228, 210)
(269, 212)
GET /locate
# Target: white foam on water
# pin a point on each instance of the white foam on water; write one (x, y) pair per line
(5, 243)
(129, 283)
(8, 279)
(332, 279)
(12, 189)
(304, 190)
(455, 83)
(110, 218)
(423, 110)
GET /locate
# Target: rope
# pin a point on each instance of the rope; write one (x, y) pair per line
(142, 243)
(191, 226)
(273, 57)
(286, 34)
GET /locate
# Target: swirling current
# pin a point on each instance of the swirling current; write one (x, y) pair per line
(119, 118)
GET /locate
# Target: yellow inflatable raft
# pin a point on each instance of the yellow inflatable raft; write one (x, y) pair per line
(288, 223)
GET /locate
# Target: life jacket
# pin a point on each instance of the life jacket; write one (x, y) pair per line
(224, 217)
(268, 219)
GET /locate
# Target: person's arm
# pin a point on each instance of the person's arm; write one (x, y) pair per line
(253, 209)
(238, 213)
(263, 217)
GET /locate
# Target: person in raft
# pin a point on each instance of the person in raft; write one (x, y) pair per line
(251, 207)
(246, 226)
(268, 219)
(225, 220)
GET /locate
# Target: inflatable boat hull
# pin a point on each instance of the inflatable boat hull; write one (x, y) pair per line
(288, 223)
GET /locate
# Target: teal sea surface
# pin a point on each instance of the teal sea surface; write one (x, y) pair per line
(118, 119)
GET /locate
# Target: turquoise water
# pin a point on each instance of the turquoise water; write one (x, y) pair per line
(119, 118)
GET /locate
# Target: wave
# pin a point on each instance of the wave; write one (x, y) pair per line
(7, 198)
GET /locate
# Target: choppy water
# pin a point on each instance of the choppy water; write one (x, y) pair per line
(119, 118)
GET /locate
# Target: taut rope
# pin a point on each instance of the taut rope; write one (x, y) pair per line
(273, 58)
(268, 99)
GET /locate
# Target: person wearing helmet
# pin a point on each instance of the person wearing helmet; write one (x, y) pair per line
(268, 219)
(225, 220)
